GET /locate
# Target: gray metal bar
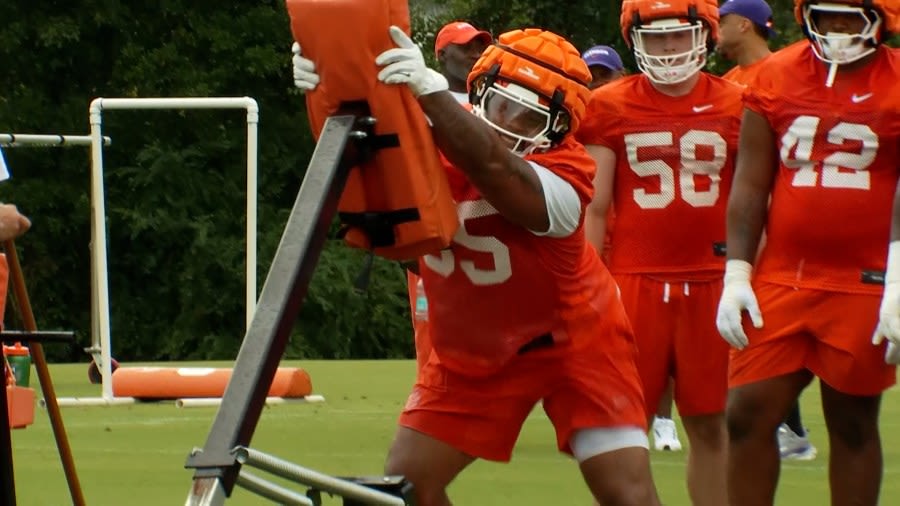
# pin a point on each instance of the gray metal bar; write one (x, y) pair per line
(271, 491)
(315, 479)
(206, 491)
(46, 141)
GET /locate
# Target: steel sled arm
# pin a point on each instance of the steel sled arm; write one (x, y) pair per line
(347, 139)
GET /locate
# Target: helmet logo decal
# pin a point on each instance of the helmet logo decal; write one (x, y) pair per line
(528, 71)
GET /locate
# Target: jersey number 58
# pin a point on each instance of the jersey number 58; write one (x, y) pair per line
(688, 168)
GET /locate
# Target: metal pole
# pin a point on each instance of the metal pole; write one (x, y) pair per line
(252, 161)
(100, 306)
(272, 491)
(46, 141)
(315, 479)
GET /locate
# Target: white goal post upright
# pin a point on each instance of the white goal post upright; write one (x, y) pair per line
(100, 331)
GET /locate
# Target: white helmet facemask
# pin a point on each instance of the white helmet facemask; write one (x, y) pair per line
(518, 115)
(837, 48)
(670, 68)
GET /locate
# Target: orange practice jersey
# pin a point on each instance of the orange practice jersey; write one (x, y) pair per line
(832, 197)
(499, 286)
(745, 75)
(674, 165)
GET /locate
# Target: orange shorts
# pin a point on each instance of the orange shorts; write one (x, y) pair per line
(582, 385)
(829, 333)
(675, 327)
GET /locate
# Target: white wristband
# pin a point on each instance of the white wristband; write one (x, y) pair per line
(737, 270)
(893, 263)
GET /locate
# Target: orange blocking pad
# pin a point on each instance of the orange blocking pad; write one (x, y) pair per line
(20, 406)
(195, 382)
(398, 203)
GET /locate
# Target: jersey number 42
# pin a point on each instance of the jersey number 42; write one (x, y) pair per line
(797, 146)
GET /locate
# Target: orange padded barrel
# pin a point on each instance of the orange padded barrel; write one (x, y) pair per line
(196, 382)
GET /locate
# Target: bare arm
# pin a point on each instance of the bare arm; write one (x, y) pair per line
(598, 209)
(753, 179)
(508, 182)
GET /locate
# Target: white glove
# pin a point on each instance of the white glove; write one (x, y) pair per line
(404, 64)
(892, 354)
(305, 76)
(737, 296)
(889, 314)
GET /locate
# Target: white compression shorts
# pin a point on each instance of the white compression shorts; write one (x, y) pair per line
(587, 443)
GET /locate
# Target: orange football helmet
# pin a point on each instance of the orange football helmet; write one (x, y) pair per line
(881, 18)
(531, 86)
(648, 21)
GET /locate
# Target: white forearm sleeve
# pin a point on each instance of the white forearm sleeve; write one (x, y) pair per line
(563, 204)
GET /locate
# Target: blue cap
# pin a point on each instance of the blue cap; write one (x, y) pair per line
(604, 56)
(757, 11)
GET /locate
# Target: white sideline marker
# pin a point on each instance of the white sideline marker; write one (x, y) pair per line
(203, 402)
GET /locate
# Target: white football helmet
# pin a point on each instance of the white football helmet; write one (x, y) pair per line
(842, 48)
(670, 68)
(670, 38)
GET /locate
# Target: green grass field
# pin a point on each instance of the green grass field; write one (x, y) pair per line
(135, 454)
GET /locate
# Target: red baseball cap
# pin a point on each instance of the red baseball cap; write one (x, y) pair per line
(459, 32)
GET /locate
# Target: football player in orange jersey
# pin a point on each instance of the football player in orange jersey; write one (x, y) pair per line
(744, 32)
(606, 66)
(745, 29)
(824, 144)
(521, 308)
(457, 47)
(664, 142)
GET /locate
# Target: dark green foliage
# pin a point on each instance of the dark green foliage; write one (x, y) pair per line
(175, 180)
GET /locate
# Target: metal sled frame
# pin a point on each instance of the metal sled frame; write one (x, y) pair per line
(346, 138)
